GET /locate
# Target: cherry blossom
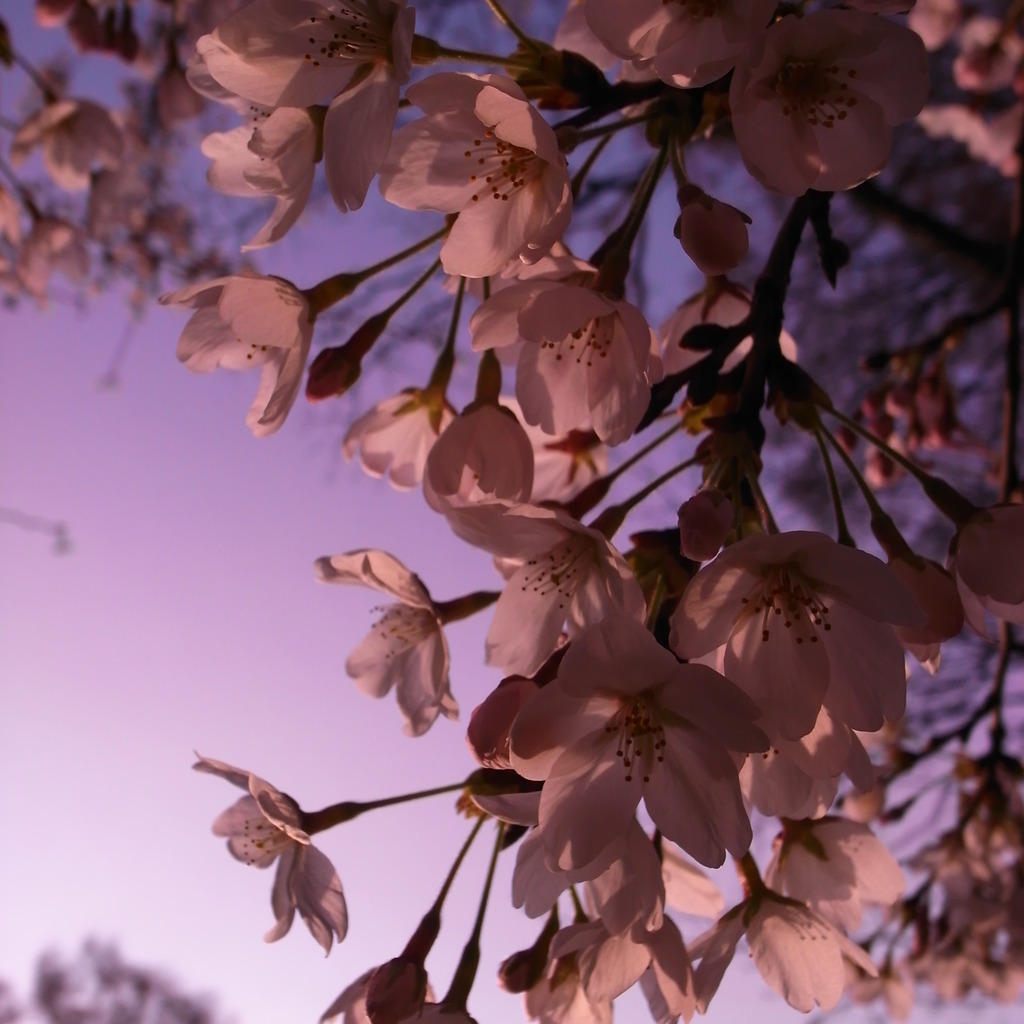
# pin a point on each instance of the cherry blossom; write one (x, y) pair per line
(935, 21)
(560, 998)
(484, 152)
(244, 321)
(835, 866)
(989, 57)
(74, 135)
(688, 44)
(561, 572)
(483, 454)
(490, 724)
(355, 55)
(582, 357)
(936, 592)
(797, 952)
(987, 561)
(406, 649)
(266, 826)
(815, 105)
(276, 158)
(687, 888)
(624, 721)
(806, 622)
(396, 435)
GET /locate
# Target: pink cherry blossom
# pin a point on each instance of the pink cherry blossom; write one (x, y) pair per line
(276, 158)
(244, 321)
(74, 135)
(10, 217)
(989, 57)
(490, 724)
(814, 105)
(483, 454)
(582, 357)
(935, 21)
(688, 44)
(987, 562)
(622, 722)
(936, 592)
(687, 888)
(266, 826)
(406, 649)
(484, 152)
(806, 622)
(396, 435)
(835, 866)
(355, 55)
(559, 997)
(561, 572)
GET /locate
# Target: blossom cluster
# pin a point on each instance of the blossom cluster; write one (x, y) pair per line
(663, 693)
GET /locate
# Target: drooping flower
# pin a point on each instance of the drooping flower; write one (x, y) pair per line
(354, 55)
(625, 721)
(266, 826)
(688, 44)
(815, 103)
(396, 435)
(406, 648)
(936, 592)
(484, 152)
(561, 572)
(987, 561)
(244, 321)
(806, 622)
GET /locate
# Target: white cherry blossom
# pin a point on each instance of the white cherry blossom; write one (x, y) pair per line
(244, 321)
(266, 826)
(406, 649)
(814, 104)
(806, 622)
(561, 572)
(623, 722)
(484, 152)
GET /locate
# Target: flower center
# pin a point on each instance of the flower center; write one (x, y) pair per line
(402, 626)
(786, 598)
(347, 34)
(259, 839)
(818, 93)
(500, 166)
(558, 571)
(641, 737)
(696, 10)
(593, 339)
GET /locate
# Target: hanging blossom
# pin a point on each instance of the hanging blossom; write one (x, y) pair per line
(406, 649)
(244, 321)
(987, 561)
(806, 622)
(74, 135)
(687, 44)
(561, 571)
(482, 151)
(266, 826)
(354, 55)
(814, 104)
(397, 434)
(622, 722)
(582, 357)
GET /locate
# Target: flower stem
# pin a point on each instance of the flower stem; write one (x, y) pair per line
(843, 534)
(611, 518)
(338, 814)
(507, 21)
(442, 371)
(427, 51)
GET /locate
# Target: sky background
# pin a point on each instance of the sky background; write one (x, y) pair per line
(186, 617)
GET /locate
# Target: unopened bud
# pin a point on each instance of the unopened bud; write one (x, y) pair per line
(491, 722)
(396, 991)
(712, 233)
(335, 370)
(704, 522)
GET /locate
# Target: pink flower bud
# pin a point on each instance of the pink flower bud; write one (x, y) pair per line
(395, 991)
(704, 522)
(712, 233)
(491, 722)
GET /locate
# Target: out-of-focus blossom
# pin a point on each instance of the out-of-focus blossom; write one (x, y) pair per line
(396, 435)
(987, 561)
(993, 139)
(935, 21)
(74, 135)
(52, 244)
(406, 649)
(989, 57)
(688, 45)
(806, 622)
(244, 321)
(10, 217)
(815, 104)
(484, 152)
(622, 722)
(266, 826)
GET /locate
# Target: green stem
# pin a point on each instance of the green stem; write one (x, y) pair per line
(581, 175)
(427, 51)
(570, 138)
(507, 21)
(454, 870)
(762, 502)
(611, 518)
(442, 371)
(338, 814)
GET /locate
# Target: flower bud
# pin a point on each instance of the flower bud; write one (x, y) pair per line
(704, 522)
(712, 233)
(491, 722)
(395, 991)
